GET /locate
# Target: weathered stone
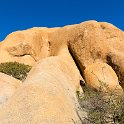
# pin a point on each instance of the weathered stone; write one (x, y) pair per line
(8, 86)
(59, 55)
(101, 77)
(25, 46)
(97, 41)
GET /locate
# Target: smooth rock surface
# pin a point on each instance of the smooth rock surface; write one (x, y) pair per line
(48, 95)
(101, 77)
(8, 86)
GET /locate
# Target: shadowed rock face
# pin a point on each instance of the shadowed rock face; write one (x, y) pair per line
(59, 57)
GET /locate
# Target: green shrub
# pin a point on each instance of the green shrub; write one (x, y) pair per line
(103, 109)
(15, 69)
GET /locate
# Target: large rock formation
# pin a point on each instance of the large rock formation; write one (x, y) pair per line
(59, 56)
(92, 41)
(25, 46)
(47, 96)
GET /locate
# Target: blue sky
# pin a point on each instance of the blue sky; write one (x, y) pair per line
(23, 14)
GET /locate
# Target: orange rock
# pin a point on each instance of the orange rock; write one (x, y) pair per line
(101, 77)
(25, 46)
(98, 41)
(49, 92)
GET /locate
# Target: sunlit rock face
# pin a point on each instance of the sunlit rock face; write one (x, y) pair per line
(25, 46)
(101, 77)
(61, 58)
(98, 41)
(8, 86)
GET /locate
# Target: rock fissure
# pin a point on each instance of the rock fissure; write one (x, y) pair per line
(116, 68)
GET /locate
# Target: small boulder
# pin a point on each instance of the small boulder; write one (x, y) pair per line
(100, 76)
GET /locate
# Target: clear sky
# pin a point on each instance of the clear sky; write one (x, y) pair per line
(23, 14)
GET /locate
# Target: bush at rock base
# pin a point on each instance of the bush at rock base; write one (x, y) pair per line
(15, 69)
(101, 108)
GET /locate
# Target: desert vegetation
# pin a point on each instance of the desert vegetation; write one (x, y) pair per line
(102, 108)
(15, 69)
